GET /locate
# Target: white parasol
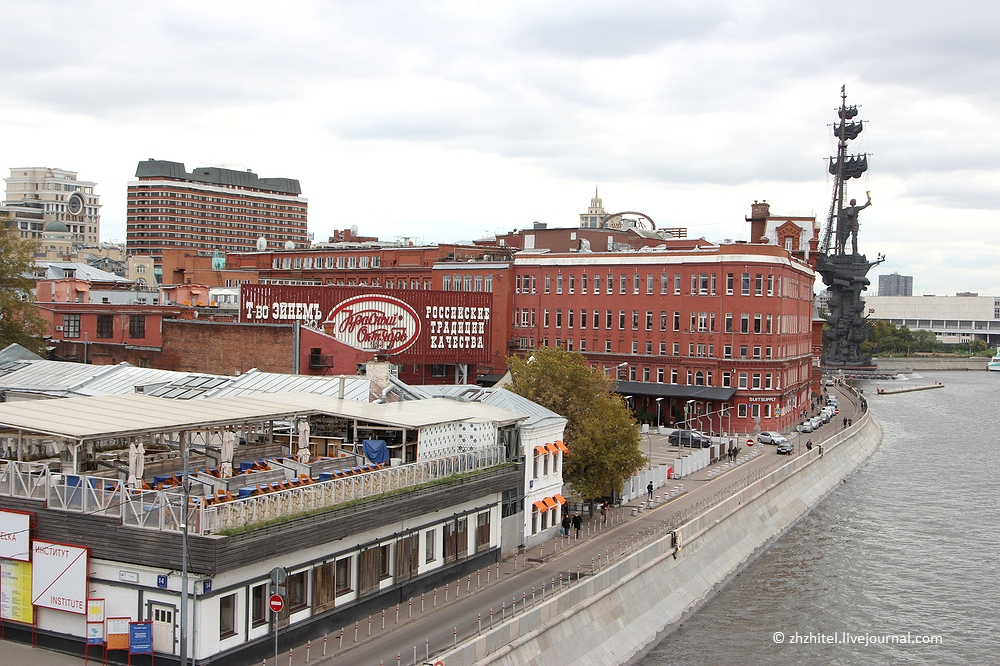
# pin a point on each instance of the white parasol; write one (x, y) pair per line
(228, 445)
(303, 453)
(133, 462)
(140, 463)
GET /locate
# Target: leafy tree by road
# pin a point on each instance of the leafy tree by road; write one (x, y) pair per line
(19, 319)
(602, 436)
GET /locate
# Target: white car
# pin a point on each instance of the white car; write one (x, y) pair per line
(767, 437)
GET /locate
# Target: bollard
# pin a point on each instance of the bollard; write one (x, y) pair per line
(447, 590)
(498, 571)
(427, 649)
(578, 571)
(487, 575)
(541, 552)
(435, 597)
(342, 638)
(289, 658)
(456, 587)
(468, 587)
(383, 619)
(480, 624)
(414, 655)
(524, 600)
(532, 595)
(355, 632)
(369, 625)
(324, 644)
(397, 613)
(409, 607)
(478, 581)
(455, 643)
(491, 618)
(308, 648)
(421, 602)
(560, 581)
(503, 611)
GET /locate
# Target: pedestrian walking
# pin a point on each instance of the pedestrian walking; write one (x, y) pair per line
(565, 524)
(845, 421)
(809, 445)
(604, 512)
(649, 491)
(577, 523)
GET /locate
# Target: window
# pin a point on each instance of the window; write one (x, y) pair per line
(635, 346)
(597, 284)
(344, 575)
(583, 319)
(663, 349)
(548, 283)
(482, 531)
(295, 586)
(727, 351)
(609, 319)
(105, 326)
(71, 325)
(745, 284)
(572, 284)
(756, 323)
(673, 376)
(227, 616)
(607, 346)
(583, 284)
(755, 381)
(703, 284)
(744, 323)
(649, 283)
(622, 284)
(756, 352)
(258, 605)
(559, 284)
(663, 320)
(137, 326)
(769, 321)
(727, 379)
(677, 321)
(649, 320)
(694, 283)
(758, 289)
(611, 284)
(445, 283)
(743, 351)
(741, 410)
(456, 283)
(597, 319)
(767, 380)
(468, 283)
(729, 322)
(545, 318)
(407, 557)
(635, 284)
(569, 319)
(558, 317)
(664, 283)
(621, 320)
(677, 349)
(770, 284)
(645, 374)
(741, 380)
(767, 352)
(677, 284)
(635, 320)
(659, 375)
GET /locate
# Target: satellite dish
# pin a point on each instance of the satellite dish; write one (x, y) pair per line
(290, 245)
(354, 230)
(261, 244)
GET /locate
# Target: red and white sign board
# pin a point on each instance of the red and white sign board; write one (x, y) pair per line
(374, 322)
(276, 603)
(59, 577)
(14, 535)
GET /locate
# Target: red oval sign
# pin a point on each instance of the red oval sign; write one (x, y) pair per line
(374, 323)
(276, 603)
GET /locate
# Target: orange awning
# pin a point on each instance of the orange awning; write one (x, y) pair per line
(562, 447)
(559, 498)
(551, 448)
(550, 503)
(540, 505)
(541, 450)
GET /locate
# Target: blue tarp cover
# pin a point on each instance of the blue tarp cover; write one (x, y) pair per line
(375, 450)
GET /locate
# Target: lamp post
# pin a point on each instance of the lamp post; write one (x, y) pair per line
(687, 408)
(650, 459)
(658, 401)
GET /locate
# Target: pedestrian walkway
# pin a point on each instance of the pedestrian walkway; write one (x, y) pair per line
(413, 632)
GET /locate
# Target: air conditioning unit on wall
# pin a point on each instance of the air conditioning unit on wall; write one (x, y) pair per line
(59, 328)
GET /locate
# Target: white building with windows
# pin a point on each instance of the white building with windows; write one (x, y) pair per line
(953, 319)
(60, 198)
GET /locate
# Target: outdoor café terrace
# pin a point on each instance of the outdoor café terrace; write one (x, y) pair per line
(247, 460)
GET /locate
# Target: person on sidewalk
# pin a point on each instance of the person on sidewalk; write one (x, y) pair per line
(649, 491)
(565, 524)
(577, 523)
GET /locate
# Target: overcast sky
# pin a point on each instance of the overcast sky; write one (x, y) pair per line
(451, 121)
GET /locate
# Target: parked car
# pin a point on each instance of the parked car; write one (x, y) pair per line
(690, 439)
(805, 426)
(816, 422)
(785, 448)
(767, 437)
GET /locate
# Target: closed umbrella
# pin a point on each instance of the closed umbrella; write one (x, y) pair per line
(303, 453)
(133, 455)
(140, 463)
(228, 445)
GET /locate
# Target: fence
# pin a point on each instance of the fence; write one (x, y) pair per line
(162, 509)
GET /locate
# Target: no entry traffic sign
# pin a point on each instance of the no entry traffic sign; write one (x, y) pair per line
(276, 603)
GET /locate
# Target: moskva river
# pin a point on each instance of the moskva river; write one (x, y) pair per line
(900, 564)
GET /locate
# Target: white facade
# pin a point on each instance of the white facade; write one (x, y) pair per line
(951, 318)
(60, 197)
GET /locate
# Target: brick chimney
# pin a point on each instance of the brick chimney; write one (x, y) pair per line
(759, 212)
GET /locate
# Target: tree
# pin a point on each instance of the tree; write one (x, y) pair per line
(19, 319)
(602, 436)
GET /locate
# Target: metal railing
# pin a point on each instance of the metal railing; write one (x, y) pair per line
(163, 509)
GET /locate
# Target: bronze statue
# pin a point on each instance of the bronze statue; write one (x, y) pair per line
(849, 225)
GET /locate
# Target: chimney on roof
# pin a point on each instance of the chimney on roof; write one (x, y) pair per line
(759, 212)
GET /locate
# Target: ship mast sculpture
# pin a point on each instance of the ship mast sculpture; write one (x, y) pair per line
(845, 273)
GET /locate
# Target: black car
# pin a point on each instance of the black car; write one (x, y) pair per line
(785, 448)
(689, 439)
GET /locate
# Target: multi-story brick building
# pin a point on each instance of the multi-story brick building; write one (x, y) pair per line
(211, 208)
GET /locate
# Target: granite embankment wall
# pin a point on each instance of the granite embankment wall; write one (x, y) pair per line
(613, 616)
(924, 363)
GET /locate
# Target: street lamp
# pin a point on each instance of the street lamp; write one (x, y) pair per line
(658, 401)
(687, 408)
(618, 368)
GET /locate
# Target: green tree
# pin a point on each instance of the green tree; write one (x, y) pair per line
(19, 319)
(602, 436)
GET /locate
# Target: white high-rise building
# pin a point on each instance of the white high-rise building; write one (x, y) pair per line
(59, 197)
(595, 214)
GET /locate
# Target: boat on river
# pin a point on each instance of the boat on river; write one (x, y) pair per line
(994, 363)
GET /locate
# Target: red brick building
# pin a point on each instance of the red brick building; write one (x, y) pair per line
(728, 327)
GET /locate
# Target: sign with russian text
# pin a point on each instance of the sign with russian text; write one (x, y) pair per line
(140, 638)
(116, 629)
(414, 326)
(15, 535)
(59, 577)
(15, 591)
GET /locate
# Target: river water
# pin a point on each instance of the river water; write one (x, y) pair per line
(909, 546)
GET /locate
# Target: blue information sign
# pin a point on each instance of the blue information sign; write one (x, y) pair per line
(140, 637)
(161, 581)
